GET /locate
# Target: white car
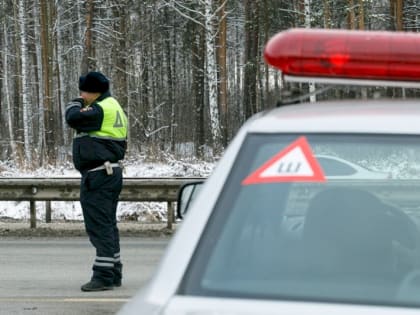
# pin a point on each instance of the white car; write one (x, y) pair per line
(271, 233)
(336, 168)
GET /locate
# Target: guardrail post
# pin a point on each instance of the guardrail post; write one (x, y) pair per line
(170, 215)
(48, 211)
(32, 214)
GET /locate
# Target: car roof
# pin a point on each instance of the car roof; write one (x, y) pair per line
(344, 116)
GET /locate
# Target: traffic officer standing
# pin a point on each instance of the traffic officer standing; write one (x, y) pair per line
(99, 144)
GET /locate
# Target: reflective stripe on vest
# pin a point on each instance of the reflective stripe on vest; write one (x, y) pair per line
(114, 124)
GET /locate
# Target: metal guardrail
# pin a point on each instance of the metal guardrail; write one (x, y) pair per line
(135, 189)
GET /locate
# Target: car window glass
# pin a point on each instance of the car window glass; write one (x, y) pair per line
(344, 239)
(333, 167)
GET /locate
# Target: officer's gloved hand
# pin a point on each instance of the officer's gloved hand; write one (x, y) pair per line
(77, 102)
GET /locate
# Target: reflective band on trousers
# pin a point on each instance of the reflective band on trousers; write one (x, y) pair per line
(101, 264)
(106, 261)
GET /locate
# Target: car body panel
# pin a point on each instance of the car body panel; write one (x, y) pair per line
(209, 306)
(357, 116)
(183, 243)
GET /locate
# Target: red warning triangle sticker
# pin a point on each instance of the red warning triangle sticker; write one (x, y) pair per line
(295, 163)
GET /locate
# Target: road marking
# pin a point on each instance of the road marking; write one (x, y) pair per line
(69, 300)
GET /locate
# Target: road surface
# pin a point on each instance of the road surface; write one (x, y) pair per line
(43, 275)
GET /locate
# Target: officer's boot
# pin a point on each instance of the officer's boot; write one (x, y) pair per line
(117, 274)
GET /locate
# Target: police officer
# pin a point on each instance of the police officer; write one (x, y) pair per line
(98, 146)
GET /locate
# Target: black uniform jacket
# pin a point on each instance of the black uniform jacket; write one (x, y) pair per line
(90, 152)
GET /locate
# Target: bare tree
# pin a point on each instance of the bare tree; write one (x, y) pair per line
(6, 87)
(250, 62)
(396, 9)
(46, 133)
(27, 113)
(212, 74)
(88, 61)
(327, 14)
(221, 62)
(60, 72)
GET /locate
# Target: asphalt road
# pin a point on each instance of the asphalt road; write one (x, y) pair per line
(43, 275)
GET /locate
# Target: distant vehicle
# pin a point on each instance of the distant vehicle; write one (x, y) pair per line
(335, 167)
(271, 232)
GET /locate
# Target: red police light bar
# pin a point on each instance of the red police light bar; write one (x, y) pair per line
(346, 55)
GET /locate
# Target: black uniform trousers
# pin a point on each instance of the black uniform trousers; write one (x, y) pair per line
(99, 194)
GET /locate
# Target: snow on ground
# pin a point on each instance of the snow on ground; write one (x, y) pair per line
(71, 211)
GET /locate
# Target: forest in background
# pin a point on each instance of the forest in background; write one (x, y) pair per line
(187, 72)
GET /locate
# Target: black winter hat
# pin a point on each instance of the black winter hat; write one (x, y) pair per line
(94, 82)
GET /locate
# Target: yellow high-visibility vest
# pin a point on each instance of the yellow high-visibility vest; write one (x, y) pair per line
(114, 125)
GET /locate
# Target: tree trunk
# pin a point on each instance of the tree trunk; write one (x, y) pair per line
(65, 132)
(251, 48)
(211, 70)
(120, 79)
(27, 132)
(38, 33)
(88, 60)
(361, 15)
(170, 65)
(327, 14)
(351, 16)
(221, 60)
(6, 97)
(399, 25)
(47, 53)
(198, 64)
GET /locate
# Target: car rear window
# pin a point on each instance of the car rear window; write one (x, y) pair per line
(333, 167)
(314, 235)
